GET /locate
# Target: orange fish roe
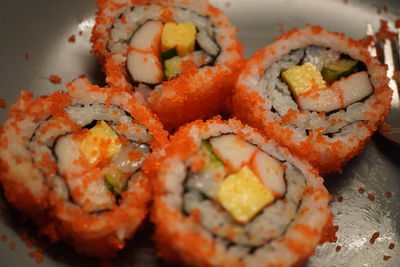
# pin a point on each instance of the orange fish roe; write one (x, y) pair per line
(3, 103)
(329, 232)
(384, 32)
(338, 248)
(72, 39)
(385, 257)
(55, 79)
(12, 245)
(371, 196)
(374, 237)
(361, 190)
(391, 246)
(3, 238)
(389, 194)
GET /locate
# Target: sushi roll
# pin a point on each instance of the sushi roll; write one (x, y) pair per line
(181, 56)
(316, 92)
(73, 162)
(226, 196)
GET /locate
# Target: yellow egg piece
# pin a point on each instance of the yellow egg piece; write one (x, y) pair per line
(100, 142)
(304, 78)
(180, 36)
(243, 195)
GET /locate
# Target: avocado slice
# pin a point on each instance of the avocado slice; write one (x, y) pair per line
(338, 69)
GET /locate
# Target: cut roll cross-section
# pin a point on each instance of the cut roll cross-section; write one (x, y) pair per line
(74, 162)
(316, 92)
(225, 196)
(182, 56)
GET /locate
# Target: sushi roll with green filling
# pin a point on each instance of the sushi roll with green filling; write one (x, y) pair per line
(317, 93)
(182, 56)
(74, 164)
(225, 196)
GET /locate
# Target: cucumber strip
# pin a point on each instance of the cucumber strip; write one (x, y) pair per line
(213, 160)
(338, 69)
(172, 67)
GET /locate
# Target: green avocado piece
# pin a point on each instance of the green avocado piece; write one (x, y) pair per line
(338, 69)
(213, 161)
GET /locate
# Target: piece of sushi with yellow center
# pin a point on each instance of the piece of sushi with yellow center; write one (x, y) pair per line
(225, 196)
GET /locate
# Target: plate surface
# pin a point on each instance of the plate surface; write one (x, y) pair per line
(42, 29)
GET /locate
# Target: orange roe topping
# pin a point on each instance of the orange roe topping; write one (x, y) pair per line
(167, 15)
(72, 39)
(329, 231)
(338, 248)
(134, 155)
(3, 238)
(384, 32)
(389, 194)
(385, 257)
(12, 245)
(371, 196)
(3, 103)
(55, 79)
(374, 237)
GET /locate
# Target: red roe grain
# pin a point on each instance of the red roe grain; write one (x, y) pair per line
(3, 103)
(371, 196)
(385, 257)
(389, 194)
(374, 237)
(12, 245)
(340, 198)
(361, 190)
(72, 39)
(55, 79)
(4, 238)
(338, 248)
(391, 246)
(397, 23)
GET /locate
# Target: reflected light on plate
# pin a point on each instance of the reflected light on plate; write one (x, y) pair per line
(87, 24)
(356, 243)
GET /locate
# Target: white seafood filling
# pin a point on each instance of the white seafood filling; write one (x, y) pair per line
(125, 26)
(281, 100)
(60, 146)
(286, 181)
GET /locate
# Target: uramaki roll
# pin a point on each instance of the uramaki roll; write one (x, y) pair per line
(182, 55)
(73, 162)
(225, 196)
(316, 92)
